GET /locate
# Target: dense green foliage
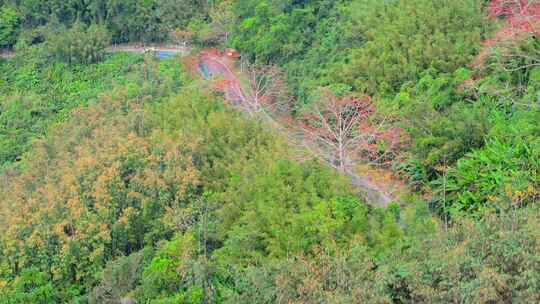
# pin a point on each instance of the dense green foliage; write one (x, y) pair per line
(78, 44)
(405, 38)
(308, 38)
(35, 94)
(126, 20)
(124, 180)
(9, 26)
(362, 44)
(504, 174)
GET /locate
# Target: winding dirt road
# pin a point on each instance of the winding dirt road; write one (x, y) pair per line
(130, 48)
(211, 66)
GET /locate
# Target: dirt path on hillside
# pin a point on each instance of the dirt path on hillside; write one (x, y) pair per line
(128, 47)
(373, 193)
(142, 48)
(377, 192)
(6, 54)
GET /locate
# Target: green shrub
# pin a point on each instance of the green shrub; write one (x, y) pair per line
(9, 26)
(30, 287)
(78, 44)
(503, 175)
(442, 122)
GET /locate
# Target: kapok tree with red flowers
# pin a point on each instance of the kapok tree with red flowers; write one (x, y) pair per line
(521, 17)
(513, 48)
(342, 130)
(519, 14)
(521, 20)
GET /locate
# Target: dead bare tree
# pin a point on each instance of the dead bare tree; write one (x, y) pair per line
(263, 89)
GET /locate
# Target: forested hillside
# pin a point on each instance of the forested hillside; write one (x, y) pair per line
(132, 178)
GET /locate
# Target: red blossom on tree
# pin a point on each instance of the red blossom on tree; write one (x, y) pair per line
(521, 17)
(342, 130)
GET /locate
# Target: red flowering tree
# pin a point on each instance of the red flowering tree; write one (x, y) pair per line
(521, 17)
(511, 47)
(341, 130)
(521, 21)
